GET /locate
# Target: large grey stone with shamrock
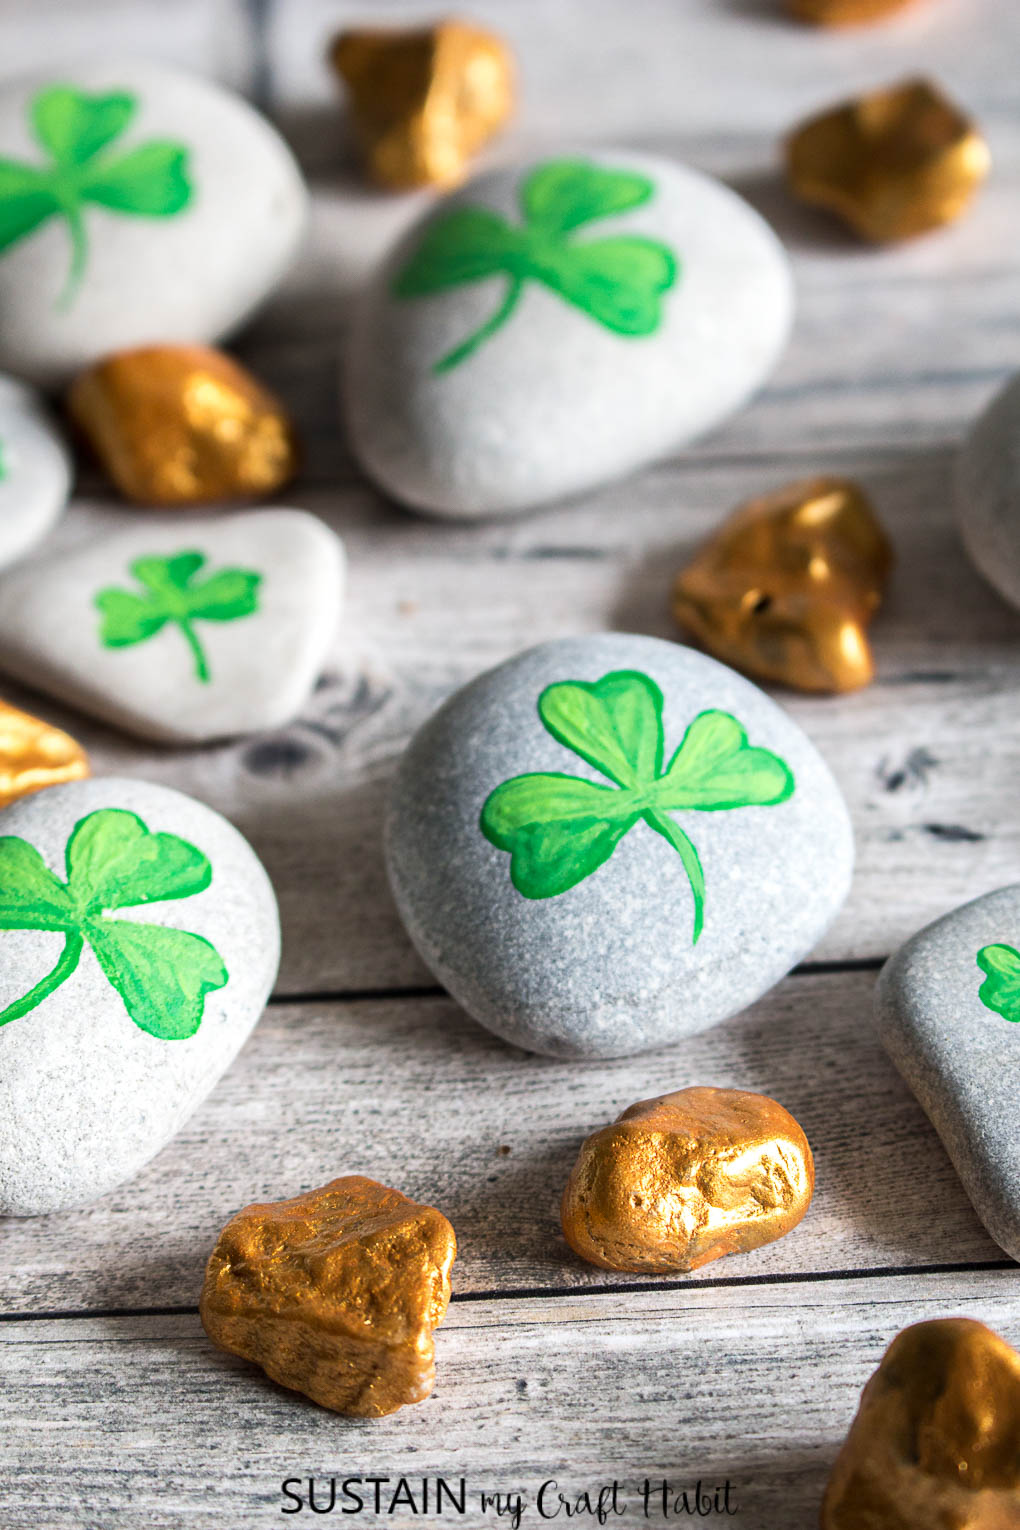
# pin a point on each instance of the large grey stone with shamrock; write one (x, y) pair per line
(35, 471)
(180, 631)
(136, 204)
(988, 492)
(550, 327)
(612, 842)
(140, 941)
(948, 1010)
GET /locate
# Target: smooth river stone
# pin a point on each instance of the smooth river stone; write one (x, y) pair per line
(106, 1068)
(191, 209)
(988, 493)
(258, 597)
(960, 1056)
(609, 966)
(653, 346)
(35, 471)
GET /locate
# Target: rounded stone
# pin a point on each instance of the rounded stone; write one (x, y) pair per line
(596, 956)
(180, 208)
(35, 471)
(988, 492)
(90, 1092)
(621, 305)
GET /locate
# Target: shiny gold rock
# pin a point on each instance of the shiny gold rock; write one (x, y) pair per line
(335, 1293)
(423, 102)
(936, 1441)
(892, 164)
(786, 587)
(845, 13)
(34, 755)
(183, 425)
(687, 1178)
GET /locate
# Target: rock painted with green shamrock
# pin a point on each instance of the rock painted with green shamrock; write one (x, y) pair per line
(134, 201)
(552, 326)
(180, 631)
(140, 942)
(35, 470)
(948, 1012)
(612, 842)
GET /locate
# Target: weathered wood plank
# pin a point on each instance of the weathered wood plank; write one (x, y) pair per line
(414, 1094)
(120, 1421)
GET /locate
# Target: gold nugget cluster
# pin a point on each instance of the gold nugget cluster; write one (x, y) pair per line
(787, 586)
(183, 425)
(335, 1293)
(845, 13)
(33, 754)
(423, 102)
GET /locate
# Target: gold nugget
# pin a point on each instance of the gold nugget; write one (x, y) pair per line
(34, 755)
(424, 101)
(687, 1178)
(335, 1293)
(183, 425)
(936, 1441)
(787, 586)
(845, 13)
(893, 164)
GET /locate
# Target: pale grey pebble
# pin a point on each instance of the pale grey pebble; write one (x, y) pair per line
(555, 403)
(988, 492)
(87, 1097)
(193, 275)
(608, 967)
(960, 1057)
(35, 471)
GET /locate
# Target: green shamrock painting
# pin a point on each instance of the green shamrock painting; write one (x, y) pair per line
(619, 281)
(76, 131)
(112, 862)
(172, 594)
(559, 829)
(1000, 990)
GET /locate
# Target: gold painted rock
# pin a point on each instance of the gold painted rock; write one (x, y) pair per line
(936, 1441)
(689, 1177)
(843, 13)
(424, 101)
(34, 755)
(183, 425)
(893, 164)
(335, 1293)
(787, 586)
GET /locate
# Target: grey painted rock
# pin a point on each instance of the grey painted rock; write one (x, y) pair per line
(988, 493)
(550, 327)
(180, 631)
(140, 942)
(948, 1013)
(138, 204)
(35, 471)
(612, 842)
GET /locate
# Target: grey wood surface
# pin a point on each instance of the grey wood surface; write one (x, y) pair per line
(115, 1411)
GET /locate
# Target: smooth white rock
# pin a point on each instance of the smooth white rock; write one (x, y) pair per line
(261, 666)
(87, 1096)
(35, 471)
(988, 492)
(554, 402)
(193, 275)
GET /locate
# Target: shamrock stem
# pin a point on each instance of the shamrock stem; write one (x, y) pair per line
(69, 958)
(664, 825)
(201, 663)
(467, 347)
(79, 254)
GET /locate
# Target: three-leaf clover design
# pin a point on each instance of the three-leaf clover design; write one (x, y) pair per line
(1000, 990)
(171, 595)
(560, 828)
(112, 862)
(620, 281)
(76, 131)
